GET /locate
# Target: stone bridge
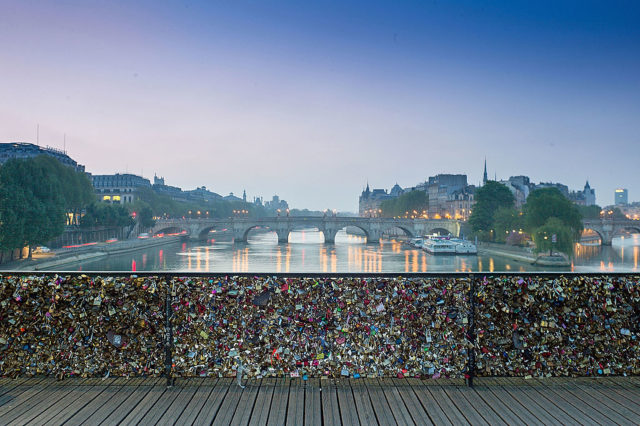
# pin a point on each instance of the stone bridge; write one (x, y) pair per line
(373, 228)
(607, 229)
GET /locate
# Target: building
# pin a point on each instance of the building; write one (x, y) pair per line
(621, 197)
(586, 197)
(564, 189)
(159, 187)
(520, 187)
(459, 203)
(276, 204)
(118, 188)
(29, 150)
(444, 191)
(370, 201)
(232, 197)
(201, 194)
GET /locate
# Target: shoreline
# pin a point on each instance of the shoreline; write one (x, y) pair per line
(97, 251)
(520, 255)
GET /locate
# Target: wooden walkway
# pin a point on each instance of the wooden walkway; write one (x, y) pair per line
(320, 401)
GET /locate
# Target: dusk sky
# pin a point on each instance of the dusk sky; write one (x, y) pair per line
(309, 100)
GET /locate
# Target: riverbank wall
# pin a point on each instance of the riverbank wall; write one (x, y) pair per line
(62, 257)
(519, 254)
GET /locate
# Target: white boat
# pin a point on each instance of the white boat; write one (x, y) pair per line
(439, 246)
(416, 242)
(465, 247)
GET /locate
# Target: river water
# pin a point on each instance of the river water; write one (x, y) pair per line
(306, 252)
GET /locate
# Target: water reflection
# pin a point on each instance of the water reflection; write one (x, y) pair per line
(306, 252)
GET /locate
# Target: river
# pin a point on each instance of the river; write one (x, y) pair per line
(306, 252)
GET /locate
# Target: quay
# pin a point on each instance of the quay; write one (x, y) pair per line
(270, 401)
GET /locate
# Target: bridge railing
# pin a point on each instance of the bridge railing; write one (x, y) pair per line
(356, 325)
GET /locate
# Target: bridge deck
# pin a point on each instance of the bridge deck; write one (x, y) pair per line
(320, 401)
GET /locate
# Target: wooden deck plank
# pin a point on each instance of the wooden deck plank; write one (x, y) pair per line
(477, 398)
(210, 409)
(147, 402)
(411, 401)
(429, 404)
(463, 406)
(161, 405)
(366, 414)
(379, 402)
(101, 404)
(14, 383)
(510, 404)
(347, 403)
(22, 393)
(448, 406)
(36, 405)
(72, 403)
(188, 389)
(263, 402)
(568, 404)
(398, 408)
(204, 388)
(312, 403)
(119, 397)
(606, 398)
(330, 405)
(229, 404)
(597, 404)
(538, 411)
(279, 402)
(566, 414)
(246, 405)
(133, 399)
(623, 393)
(295, 411)
(72, 396)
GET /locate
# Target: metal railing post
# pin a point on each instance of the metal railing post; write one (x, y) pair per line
(168, 342)
(471, 333)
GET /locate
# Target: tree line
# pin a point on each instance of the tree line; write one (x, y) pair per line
(38, 197)
(548, 218)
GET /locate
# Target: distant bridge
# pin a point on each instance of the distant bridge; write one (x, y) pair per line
(607, 229)
(373, 228)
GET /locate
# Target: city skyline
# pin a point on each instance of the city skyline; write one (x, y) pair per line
(311, 102)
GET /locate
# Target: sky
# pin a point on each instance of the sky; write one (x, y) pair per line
(312, 100)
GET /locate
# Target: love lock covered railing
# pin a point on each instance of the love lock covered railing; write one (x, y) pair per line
(421, 325)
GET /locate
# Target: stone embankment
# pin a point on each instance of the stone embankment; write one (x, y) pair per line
(521, 254)
(61, 257)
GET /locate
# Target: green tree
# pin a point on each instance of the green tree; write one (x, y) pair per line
(145, 217)
(590, 212)
(543, 204)
(411, 203)
(488, 200)
(507, 220)
(564, 235)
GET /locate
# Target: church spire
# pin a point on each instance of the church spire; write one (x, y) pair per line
(484, 176)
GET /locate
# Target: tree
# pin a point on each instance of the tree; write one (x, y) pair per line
(506, 221)
(590, 212)
(543, 237)
(412, 203)
(488, 200)
(543, 204)
(145, 217)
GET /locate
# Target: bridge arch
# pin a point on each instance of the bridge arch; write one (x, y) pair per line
(618, 231)
(595, 231)
(340, 227)
(440, 231)
(203, 232)
(170, 230)
(245, 232)
(404, 229)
